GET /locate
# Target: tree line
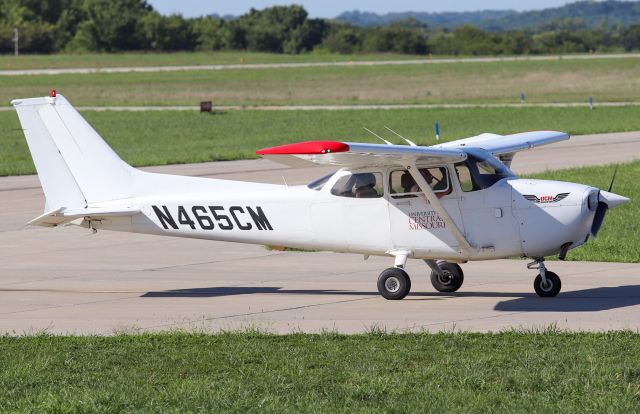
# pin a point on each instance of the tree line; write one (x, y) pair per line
(52, 26)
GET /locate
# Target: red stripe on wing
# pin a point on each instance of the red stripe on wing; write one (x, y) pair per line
(309, 147)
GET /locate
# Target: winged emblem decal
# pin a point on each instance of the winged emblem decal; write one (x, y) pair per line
(546, 198)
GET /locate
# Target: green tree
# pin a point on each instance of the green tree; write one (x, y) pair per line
(342, 38)
(167, 33)
(630, 37)
(516, 43)
(400, 37)
(209, 33)
(114, 25)
(306, 36)
(270, 29)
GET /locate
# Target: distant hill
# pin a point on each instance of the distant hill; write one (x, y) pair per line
(588, 13)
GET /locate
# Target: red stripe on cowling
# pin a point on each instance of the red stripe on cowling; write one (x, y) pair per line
(309, 147)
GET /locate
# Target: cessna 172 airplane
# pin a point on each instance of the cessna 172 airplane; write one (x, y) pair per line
(445, 204)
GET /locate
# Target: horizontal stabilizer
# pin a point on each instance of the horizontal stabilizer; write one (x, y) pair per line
(62, 216)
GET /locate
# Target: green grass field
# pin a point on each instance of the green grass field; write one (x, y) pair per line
(488, 82)
(519, 372)
(156, 138)
(106, 60)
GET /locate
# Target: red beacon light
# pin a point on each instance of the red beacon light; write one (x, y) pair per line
(53, 93)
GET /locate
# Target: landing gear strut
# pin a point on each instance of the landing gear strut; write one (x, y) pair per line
(547, 284)
(394, 283)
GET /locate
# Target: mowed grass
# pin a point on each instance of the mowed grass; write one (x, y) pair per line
(520, 372)
(134, 59)
(562, 80)
(619, 237)
(171, 137)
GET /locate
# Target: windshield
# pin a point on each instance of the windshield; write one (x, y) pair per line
(320, 182)
(359, 185)
(480, 170)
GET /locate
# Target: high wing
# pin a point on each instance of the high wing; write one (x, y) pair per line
(507, 144)
(356, 155)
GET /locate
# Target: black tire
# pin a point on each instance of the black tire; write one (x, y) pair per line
(553, 285)
(453, 277)
(394, 283)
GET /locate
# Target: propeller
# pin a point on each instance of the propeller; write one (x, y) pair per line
(603, 206)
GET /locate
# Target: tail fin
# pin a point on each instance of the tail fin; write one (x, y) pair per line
(75, 166)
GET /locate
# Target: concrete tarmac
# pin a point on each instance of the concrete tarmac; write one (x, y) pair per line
(69, 281)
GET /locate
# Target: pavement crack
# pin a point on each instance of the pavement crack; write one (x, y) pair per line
(262, 312)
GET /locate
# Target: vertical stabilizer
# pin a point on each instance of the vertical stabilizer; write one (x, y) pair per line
(75, 166)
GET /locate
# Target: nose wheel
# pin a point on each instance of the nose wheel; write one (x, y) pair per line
(547, 284)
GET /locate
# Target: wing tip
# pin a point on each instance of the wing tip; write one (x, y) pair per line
(306, 148)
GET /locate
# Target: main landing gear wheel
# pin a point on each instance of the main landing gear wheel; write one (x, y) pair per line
(549, 289)
(449, 279)
(394, 283)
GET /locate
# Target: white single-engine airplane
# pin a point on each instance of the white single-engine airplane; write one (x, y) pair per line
(456, 201)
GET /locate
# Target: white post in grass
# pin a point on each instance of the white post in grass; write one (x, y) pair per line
(16, 40)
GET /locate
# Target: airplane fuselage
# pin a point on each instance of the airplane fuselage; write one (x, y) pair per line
(498, 221)
(456, 201)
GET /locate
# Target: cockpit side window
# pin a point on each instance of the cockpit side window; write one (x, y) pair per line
(359, 185)
(479, 172)
(464, 177)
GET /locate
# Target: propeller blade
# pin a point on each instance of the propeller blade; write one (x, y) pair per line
(613, 178)
(598, 218)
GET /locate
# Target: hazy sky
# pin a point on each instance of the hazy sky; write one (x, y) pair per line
(331, 8)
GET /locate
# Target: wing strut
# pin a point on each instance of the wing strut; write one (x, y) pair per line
(433, 199)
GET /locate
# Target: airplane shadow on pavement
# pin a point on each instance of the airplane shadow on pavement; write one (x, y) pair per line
(247, 290)
(587, 300)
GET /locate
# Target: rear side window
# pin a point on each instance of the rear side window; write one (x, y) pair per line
(360, 185)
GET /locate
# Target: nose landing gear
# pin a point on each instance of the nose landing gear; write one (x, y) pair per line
(547, 284)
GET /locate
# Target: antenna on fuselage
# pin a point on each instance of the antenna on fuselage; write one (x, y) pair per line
(373, 133)
(413, 144)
